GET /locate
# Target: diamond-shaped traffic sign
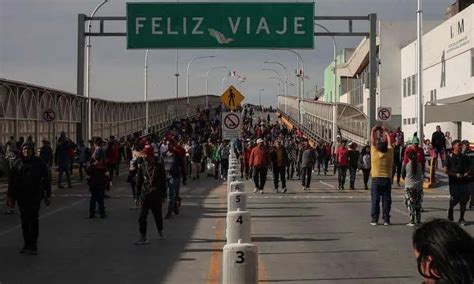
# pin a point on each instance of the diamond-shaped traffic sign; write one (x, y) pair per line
(232, 98)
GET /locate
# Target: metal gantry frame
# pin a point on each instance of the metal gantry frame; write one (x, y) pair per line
(372, 34)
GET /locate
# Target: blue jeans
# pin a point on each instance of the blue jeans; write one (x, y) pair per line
(381, 188)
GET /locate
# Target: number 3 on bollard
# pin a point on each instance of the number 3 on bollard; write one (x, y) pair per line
(239, 220)
(240, 257)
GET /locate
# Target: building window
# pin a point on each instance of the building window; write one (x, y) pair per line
(404, 121)
(413, 120)
(404, 88)
(413, 84)
(409, 86)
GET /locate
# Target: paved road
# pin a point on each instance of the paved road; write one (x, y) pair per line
(321, 236)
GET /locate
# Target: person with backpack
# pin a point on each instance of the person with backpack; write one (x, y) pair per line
(175, 169)
(353, 157)
(342, 163)
(412, 173)
(196, 158)
(133, 171)
(98, 177)
(151, 192)
(365, 165)
(63, 159)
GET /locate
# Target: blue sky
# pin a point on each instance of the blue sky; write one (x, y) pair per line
(39, 42)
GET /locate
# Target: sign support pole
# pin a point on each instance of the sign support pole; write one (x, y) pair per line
(372, 72)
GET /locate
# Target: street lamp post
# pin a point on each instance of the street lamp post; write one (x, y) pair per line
(286, 80)
(276, 73)
(419, 51)
(300, 89)
(279, 81)
(88, 62)
(187, 77)
(207, 81)
(260, 97)
(334, 110)
(145, 91)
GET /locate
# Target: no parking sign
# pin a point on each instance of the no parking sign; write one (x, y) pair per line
(384, 114)
(231, 125)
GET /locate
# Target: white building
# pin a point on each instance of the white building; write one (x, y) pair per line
(448, 79)
(392, 36)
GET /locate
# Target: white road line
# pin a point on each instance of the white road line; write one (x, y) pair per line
(400, 211)
(327, 184)
(14, 228)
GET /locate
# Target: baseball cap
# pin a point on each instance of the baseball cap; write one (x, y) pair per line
(259, 140)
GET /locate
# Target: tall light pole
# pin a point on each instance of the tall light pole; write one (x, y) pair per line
(187, 77)
(223, 82)
(145, 91)
(419, 42)
(276, 73)
(279, 81)
(300, 89)
(286, 80)
(334, 109)
(207, 80)
(88, 62)
(260, 97)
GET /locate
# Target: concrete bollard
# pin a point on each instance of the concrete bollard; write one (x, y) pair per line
(240, 264)
(238, 227)
(237, 201)
(237, 186)
(233, 172)
(230, 179)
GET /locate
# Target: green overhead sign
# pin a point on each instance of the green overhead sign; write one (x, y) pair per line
(220, 25)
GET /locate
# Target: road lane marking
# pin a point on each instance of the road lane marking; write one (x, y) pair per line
(327, 184)
(215, 263)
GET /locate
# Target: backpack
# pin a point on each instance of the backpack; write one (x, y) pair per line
(197, 154)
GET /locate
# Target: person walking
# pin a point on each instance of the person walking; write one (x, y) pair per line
(196, 159)
(438, 142)
(175, 169)
(381, 154)
(279, 160)
(365, 165)
(216, 159)
(29, 185)
(152, 192)
(98, 177)
(321, 153)
(307, 159)
(353, 162)
(112, 157)
(398, 154)
(133, 171)
(342, 163)
(224, 151)
(84, 158)
(292, 155)
(470, 154)
(412, 173)
(63, 159)
(46, 155)
(259, 160)
(457, 169)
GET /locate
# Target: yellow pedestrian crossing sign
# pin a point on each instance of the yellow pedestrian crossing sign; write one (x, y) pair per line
(232, 98)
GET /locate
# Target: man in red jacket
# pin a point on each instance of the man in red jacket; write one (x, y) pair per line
(419, 151)
(259, 159)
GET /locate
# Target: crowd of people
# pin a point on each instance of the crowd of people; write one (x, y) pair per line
(193, 148)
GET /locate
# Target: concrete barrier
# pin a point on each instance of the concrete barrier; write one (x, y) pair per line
(236, 201)
(238, 227)
(240, 264)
